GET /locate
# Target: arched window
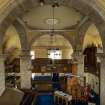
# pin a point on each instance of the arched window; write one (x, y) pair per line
(54, 54)
(32, 53)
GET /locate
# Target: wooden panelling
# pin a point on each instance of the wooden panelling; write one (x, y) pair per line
(90, 60)
(48, 65)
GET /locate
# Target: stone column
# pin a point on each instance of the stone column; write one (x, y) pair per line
(81, 65)
(102, 79)
(2, 74)
(79, 57)
(25, 71)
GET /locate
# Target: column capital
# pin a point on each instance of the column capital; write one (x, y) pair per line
(25, 54)
(77, 54)
(78, 57)
(101, 56)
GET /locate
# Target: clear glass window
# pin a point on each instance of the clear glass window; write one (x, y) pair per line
(32, 53)
(55, 54)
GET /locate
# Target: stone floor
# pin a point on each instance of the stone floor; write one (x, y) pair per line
(11, 97)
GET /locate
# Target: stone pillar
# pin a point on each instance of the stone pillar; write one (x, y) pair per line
(81, 65)
(2, 74)
(25, 71)
(79, 57)
(102, 79)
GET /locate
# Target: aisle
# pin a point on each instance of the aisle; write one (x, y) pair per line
(44, 99)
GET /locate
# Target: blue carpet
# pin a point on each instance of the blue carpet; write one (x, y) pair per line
(45, 99)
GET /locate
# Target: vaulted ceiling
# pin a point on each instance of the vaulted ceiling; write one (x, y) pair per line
(40, 18)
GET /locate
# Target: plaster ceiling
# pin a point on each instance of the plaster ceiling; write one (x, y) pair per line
(64, 17)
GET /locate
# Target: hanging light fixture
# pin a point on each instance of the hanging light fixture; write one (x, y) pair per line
(54, 21)
(55, 4)
(41, 2)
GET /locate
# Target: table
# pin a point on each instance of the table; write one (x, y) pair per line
(62, 98)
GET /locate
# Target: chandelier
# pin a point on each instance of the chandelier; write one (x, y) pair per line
(54, 22)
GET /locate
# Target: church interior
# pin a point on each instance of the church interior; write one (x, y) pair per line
(52, 52)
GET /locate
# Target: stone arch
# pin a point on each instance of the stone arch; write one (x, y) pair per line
(22, 35)
(101, 29)
(81, 34)
(59, 41)
(92, 36)
(20, 29)
(70, 40)
(3, 27)
(91, 9)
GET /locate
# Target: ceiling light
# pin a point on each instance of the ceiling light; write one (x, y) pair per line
(55, 4)
(51, 21)
(41, 2)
